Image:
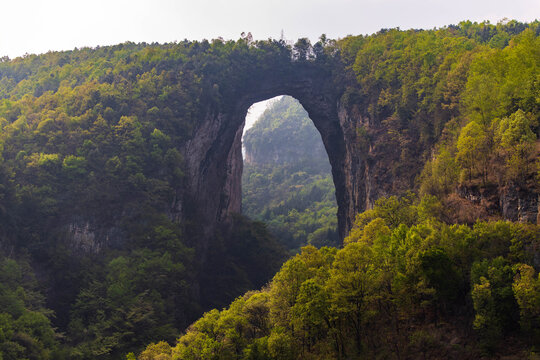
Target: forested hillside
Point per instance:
(470, 90)
(101, 253)
(404, 286)
(90, 161)
(418, 276)
(287, 181)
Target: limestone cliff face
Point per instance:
(88, 237)
(520, 204)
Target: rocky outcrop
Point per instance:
(83, 238)
(90, 237)
(511, 202)
(519, 204)
(485, 196)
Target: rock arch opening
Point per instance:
(287, 181)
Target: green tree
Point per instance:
(516, 141)
(526, 289)
(470, 146)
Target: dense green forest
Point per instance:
(94, 137)
(405, 285)
(419, 276)
(96, 134)
(287, 181)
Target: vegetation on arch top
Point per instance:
(203, 63)
(36, 74)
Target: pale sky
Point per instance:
(256, 110)
(37, 26)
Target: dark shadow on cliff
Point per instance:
(243, 256)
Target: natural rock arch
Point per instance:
(214, 157)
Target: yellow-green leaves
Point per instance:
(516, 129)
(526, 289)
(470, 145)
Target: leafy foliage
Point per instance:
(25, 324)
(380, 295)
(91, 161)
(500, 110)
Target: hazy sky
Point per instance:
(36, 26)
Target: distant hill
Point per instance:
(284, 134)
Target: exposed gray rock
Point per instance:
(88, 237)
(519, 204)
(512, 202)
(83, 238)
